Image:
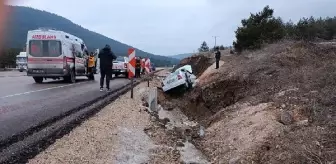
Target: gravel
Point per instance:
(124, 132)
(114, 135)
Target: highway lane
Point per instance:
(13, 73)
(10, 85)
(24, 103)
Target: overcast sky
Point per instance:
(168, 27)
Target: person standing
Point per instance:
(143, 68)
(106, 57)
(137, 67)
(91, 66)
(217, 56)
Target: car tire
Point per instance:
(188, 83)
(38, 80)
(71, 78)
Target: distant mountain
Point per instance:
(182, 56)
(26, 18)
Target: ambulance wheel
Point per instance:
(38, 79)
(71, 78)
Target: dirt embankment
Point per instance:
(126, 131)
(199, 63)
(274, 105)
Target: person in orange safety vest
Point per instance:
(91, 66)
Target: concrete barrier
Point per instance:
(152, 99)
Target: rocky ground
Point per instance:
(274, 105)
(125, 131)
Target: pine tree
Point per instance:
(204, 47)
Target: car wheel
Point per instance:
(186, 86)
(188, 83)
(38, 79)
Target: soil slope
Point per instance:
(274, 105)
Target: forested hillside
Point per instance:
(25, 18)
(182, 56)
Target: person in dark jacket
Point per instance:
(137, 67)
(106, 57)
(217, 56)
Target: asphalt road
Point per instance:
(24, 103)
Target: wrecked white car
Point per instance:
(180, 78)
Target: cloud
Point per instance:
(169, 27)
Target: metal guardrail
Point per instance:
(15, 150)
(20, 147)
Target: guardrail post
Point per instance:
(132, 85)
(152, 100)
(147, 81)
(131, 67)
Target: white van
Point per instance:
(120, 66)
(21, 61)
(55, 54)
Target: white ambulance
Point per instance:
(55, 54)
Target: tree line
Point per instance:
(8, 57)
(262, 28)
(204, 47)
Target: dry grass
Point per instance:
(296, 79)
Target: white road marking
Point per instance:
(45, 89)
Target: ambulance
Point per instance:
(55, 54)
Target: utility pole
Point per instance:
(215, 39)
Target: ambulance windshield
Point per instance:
(45, 48)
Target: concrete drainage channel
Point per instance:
(21, 147)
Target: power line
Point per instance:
(215, 39)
